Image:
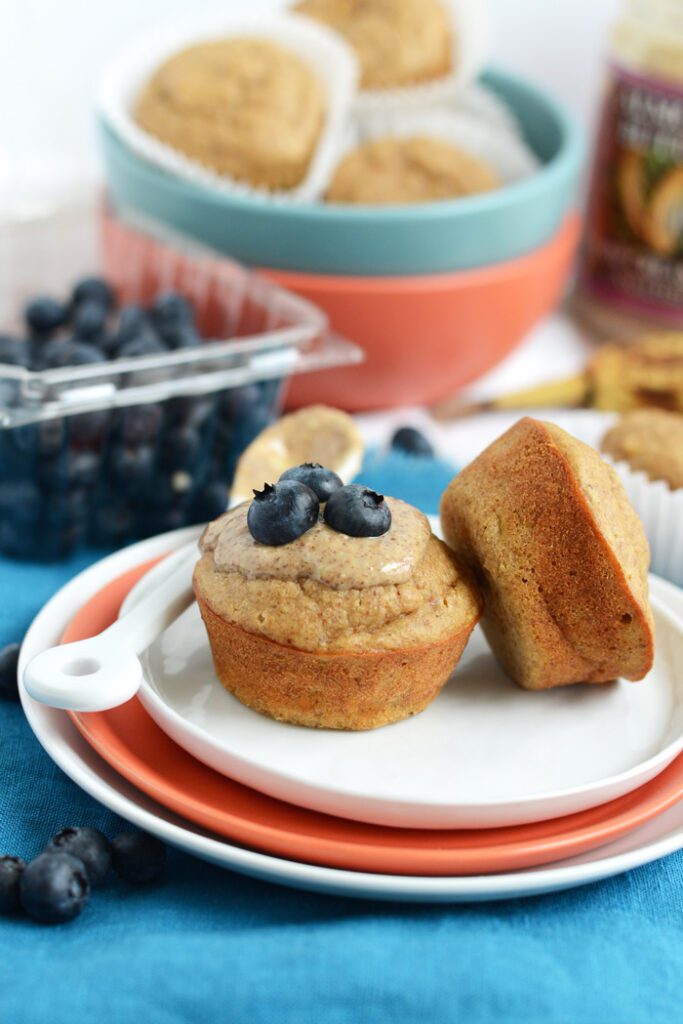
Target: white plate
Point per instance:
(76, 758)
(485, 754)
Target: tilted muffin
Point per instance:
(397, 42)
(328, 629)
(413, 169)
(243, 107)
(650, 440)
(561, 556)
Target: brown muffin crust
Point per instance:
(243, 107)
(650, 440)
(408, 170)
(398, 42)
(310, 616)
(353, 691)
(561, 556)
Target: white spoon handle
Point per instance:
(105, 671)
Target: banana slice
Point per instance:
(315, 434)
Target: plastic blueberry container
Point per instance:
(106, 453)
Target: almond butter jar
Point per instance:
(631, 277)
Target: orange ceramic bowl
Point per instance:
(425, 337)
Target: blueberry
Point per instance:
(82, 469)
(321, 480)
(189, 411)
(68, 508)
(9, 660)
(89, 427)
(54, 888)
(11, 870)
(44, 315)
(138, 857)
(20, 500)
(113, 522)
(177, 336)
(180, 448)
(89, 846)
(171, 308)
(282, 512)
(411, 441)
(94, 289)
(358, 512)
(131, 466)
(166, 519)
(238, 402)
(16, 541)
(61, 352)
(211, 502)
(13, 351)
(90, 320)
(140, 423)
(132, 321)
(144, 344)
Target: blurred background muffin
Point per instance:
(398, 42)
(408, 170)
(244, 107)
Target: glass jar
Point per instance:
(631, 277)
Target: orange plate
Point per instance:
(426, 336)
(131, 742)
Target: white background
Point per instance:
(51, 52)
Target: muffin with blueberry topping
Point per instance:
(331, 606)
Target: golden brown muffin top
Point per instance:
(408, 170)
(241, 106)
(437, 600)
(650, 440)
(398, 42)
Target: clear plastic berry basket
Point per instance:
(109, 452)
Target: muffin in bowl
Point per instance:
(397, 42)
(413, 169)
(330, 606)
(545, 525)
(244, 107)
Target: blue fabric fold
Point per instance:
(208, 945)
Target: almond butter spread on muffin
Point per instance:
(243, 107)
(408, 170)
(398, 42)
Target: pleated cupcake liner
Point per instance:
(324, 50)
(661, 512)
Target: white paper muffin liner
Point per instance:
(499, 146)
(661, 512)
(329, 56)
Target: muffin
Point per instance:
(325, 628)
(413, 169)
(246, 108)
(649, 440)
(397, 42)
(562, 558)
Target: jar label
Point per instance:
(633, 256)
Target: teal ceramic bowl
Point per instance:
(323, 238)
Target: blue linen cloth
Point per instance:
(211, 946)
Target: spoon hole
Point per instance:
(82, 667)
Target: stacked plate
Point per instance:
(492, 792)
